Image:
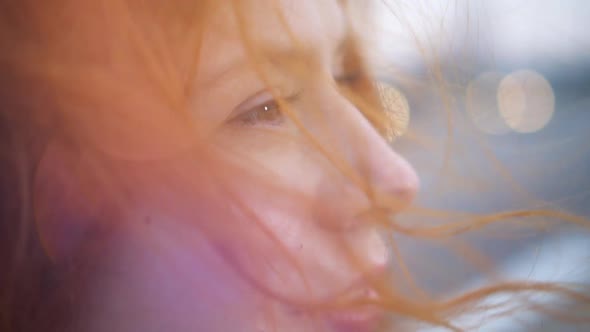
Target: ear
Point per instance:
(67, 201)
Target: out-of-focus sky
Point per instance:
(525, 30)
(509, 31)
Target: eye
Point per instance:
(350, 79)
(355, 81)
(268, 113)
(262, 109)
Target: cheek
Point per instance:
(160, 278)
(283, 193)
(291, 247)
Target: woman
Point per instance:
(196, 166)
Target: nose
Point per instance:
(393, 181)
(394, 184)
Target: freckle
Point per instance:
(147, 220)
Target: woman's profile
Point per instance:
(197, 166)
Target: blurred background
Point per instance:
(508, 127)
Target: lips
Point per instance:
(362, 318)
(365, 319)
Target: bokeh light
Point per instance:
(396, 107)
(526, 101)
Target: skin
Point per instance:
(158, 272)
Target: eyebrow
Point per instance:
(275, 55)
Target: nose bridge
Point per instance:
(391, 177)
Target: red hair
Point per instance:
(60, 75)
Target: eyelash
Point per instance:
(269, 113)
(266, 113)
(351, 80)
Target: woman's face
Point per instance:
(305, 211)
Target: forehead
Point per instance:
(279, 25)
